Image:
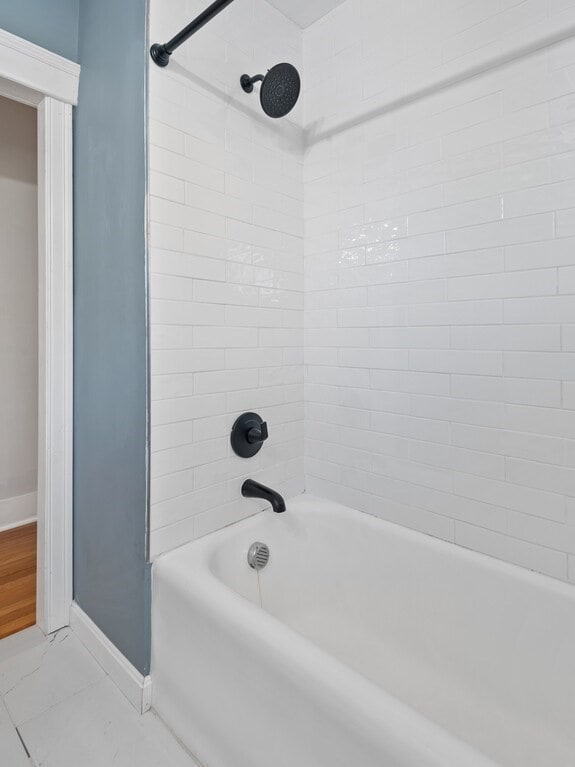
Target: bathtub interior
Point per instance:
(479, 647)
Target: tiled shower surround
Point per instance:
(440, 267)
(226, 284)
(439, 270)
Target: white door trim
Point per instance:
(38, 70)
(55, 364)
(49, 82)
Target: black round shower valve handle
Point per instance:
(249, 433)
(257, 434)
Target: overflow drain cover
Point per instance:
(258, 555)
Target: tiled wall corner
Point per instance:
(226, 282)
(440, 272)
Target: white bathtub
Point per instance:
(361, 644)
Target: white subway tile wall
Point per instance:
(440, 271)
(439, 248)
(226, 269)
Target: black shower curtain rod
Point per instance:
(161, 52)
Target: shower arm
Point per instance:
(247, 82)
(161, 52)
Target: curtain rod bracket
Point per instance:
(160, 55)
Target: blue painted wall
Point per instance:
(53, 24)
(111, 575)
(108, 38)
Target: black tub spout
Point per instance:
(253, 489)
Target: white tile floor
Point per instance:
(55, 699)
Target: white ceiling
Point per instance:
(305, 12)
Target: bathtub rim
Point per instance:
(311, 504)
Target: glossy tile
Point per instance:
(440, 223)
(227, 263)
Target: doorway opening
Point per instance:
(19, 369)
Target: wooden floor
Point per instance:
(17, 579)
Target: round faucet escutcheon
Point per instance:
(249, 433)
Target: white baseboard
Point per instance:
(19, 510)
(136, 688)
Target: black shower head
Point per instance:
(280, 89)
